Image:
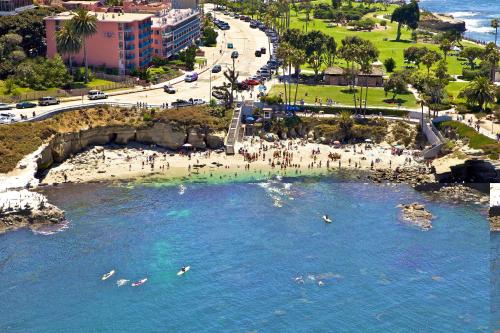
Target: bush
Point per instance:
(365, 24)
(271, 99)
(389, 64)
(471, 74)
(383, 23)
(209, 36)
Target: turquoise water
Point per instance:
(477, 15)
(257, 252)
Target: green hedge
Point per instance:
(369, 111)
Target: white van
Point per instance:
(97, 94)
(190, 77)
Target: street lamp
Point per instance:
(422, 117)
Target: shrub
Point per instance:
(389, 64)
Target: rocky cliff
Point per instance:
(63, 145)
(440, 23)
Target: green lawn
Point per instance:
(476, 140)
(454, 88)
(382, 38)
(341, 95)
(75, 85)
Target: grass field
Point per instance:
(75, 85)
(382, 38)
(342, 95)
(454, 88)
(476, 140)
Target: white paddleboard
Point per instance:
(108, 275)
(122, 282)
(182, 272)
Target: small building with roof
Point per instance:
(338, 76)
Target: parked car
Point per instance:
(25, 105)
(216, 68)
(257, 53)
(96, 94)
(4, 106)
(252, 82)
(169, 89)
(253, 25)
(196, 101)
(263, 50)
(234, 54)
(180, 103)
(218, 94)
(48, 100)
(229, 45)
(190, 77)
(242, 86)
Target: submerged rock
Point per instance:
(417, 215)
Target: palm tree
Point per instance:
(85, 25)
(480, 91)
(445, 46)
(495, 23)
(284, 54)
(297, 60)
(68, 42)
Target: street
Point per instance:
(245, 40)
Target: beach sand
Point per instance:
(141, 162)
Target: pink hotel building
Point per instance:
(128, 41)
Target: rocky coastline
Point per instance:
(20, 209)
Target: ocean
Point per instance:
(477, 15)
(261, 258)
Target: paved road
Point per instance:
(245, 41)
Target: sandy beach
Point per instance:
(255, 157)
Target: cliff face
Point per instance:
(62, 146)
(439, 23)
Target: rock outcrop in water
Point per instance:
(417, 215)
(21, 209)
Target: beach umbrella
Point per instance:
(187, 145)
(250, 118)
(368, 140)
(336, 142)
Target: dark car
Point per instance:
(216, 69)
(263, 50)
(180, 103)
(242, 86)
(25, 105)
(169, 89)
(218, 94)
(234, 54)
(257, 53)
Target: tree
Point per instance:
(85, 25)
(480, 91)
(336, 4)
(315, 48)
(495, 23)
(330, 51)
(490, 58)
(368, 54)
(307, 7)
(389, 65)
(408, 15)
(68, 42)
(350, 52)
(429, 59)
(297, 59)
(445, 45)
(232, 77)
(285, 54)
(471, 53)
(414, 54)
(441, 70)
(345, 123)
(209, 36)
(395, 85)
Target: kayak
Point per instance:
(182, 272)
(326, 219)
(108, 275)
(139, 283)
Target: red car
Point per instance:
(252, 82)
